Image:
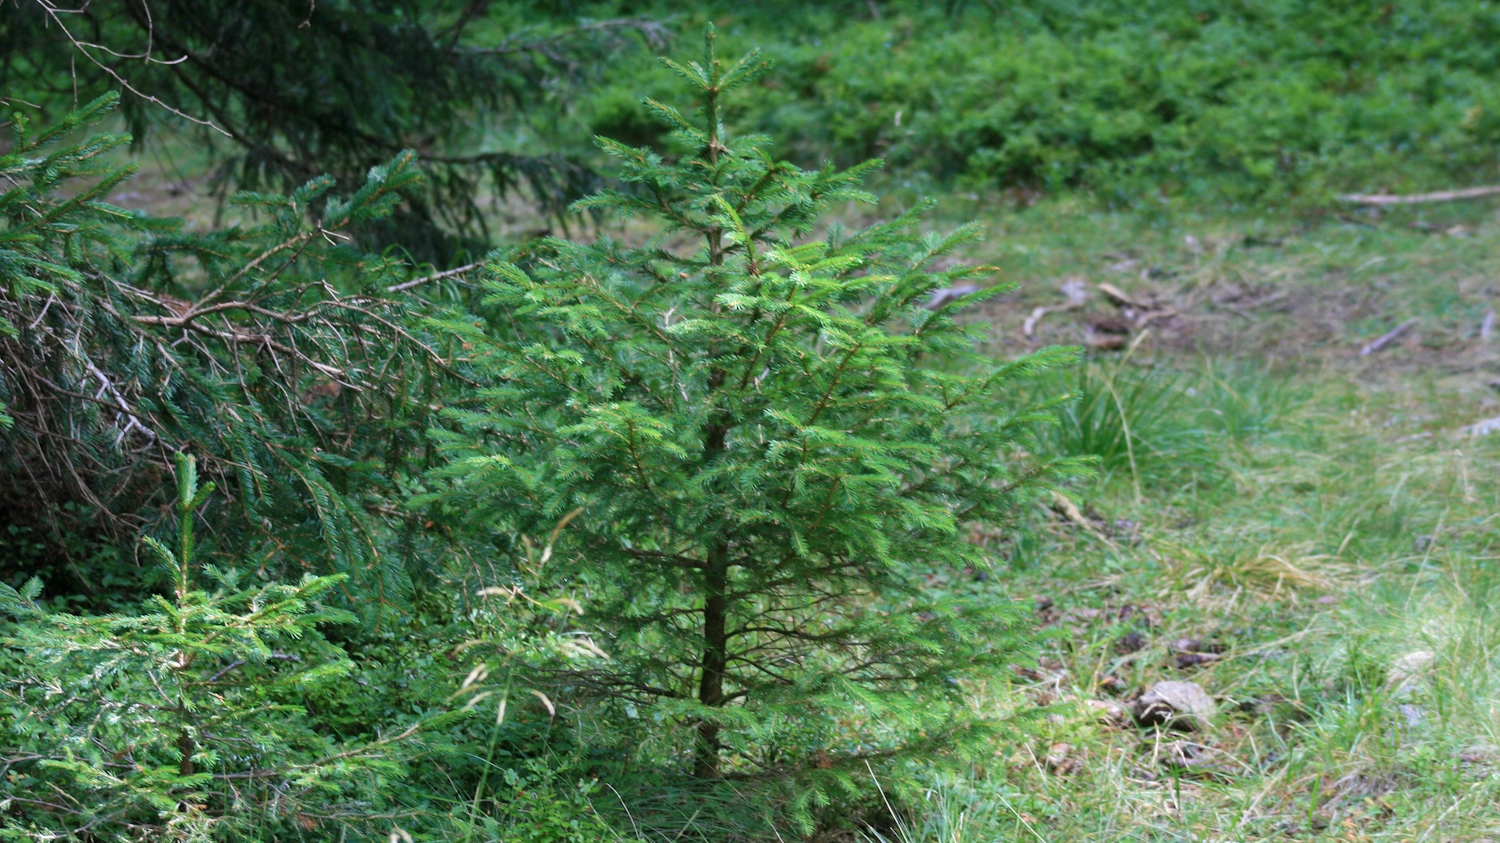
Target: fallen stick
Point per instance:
(1029, 326)
(1418, 198)
(1147, 318)
(947, 294)
(1119, 297)
(1387, 338)
(1070, 512)
(1077, 293)
(1487, 327)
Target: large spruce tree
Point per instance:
(777, 447)
(288, 90)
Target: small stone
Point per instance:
(1148, 615)
(1109, 712)
(1407, 667)
(1180, 705)
(1193, 645)
(1415, 715)
(1183, 755)
(1060, 759)
(1130, 642)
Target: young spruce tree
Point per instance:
(184, 720)
(777, 445)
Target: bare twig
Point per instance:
(438, 276)
(947, 294)
(1380, 342)
(1419, 198)
(131, 422)
(1487, 327)
(54, 13)
(1147, 319)
(654, 32)
(1119, 297)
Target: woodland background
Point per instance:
(445, 421)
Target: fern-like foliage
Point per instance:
(777, 447)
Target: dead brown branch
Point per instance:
(437, 276)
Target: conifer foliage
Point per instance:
(273, 350)
(294, 90)
(777, 446)
(179, 721)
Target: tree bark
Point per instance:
(185, 748)
(715, 659)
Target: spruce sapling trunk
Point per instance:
(716, 569)
(715, 659)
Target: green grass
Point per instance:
(1314, 516)
(1326, 551)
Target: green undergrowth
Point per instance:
(1251, 102)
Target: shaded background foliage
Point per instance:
(1169, 100)
(288, 91)
(1246, 102)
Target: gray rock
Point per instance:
(1180, 705)
(1406, 670)
(1415, 715)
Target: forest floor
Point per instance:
(1303, 532)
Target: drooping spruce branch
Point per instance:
(273, 351)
